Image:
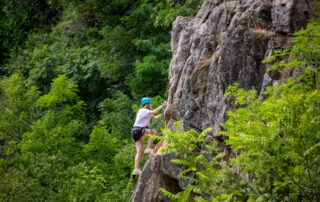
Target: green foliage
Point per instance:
(61, 123)
(101, 146)
(71, 72)
(19, 18)
(87, 184)
(61, 92)
(42, 180)
(120, 183)
(187, 147)
(123, 159)
(304, 53)
(52, 161)
(99, 45)
(113, 111)
(118, 53)
(273, 135)
(48, 60)
(17, 112)
(50, 148)
(148, 78)
(166, 11)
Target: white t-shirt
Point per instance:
(143, 118)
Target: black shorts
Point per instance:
(137, 133)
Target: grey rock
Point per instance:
(225, 43)
(157, 173)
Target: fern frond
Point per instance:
(312, 150)
(170, 195)
(182, 162)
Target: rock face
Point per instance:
(157, 174)
(225, 43)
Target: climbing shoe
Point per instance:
(136, 172)
(148, 150)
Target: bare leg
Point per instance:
(158, 146)
(139, 147)
(150, 140)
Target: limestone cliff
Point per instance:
(225, 43)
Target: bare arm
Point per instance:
(155, 117)
(158, 108)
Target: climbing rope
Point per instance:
(158, 123)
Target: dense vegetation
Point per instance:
(72, 75)
(274, 137)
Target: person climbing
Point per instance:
(141, 128)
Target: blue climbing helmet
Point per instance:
(145, 101)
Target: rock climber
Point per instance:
(141, 128)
